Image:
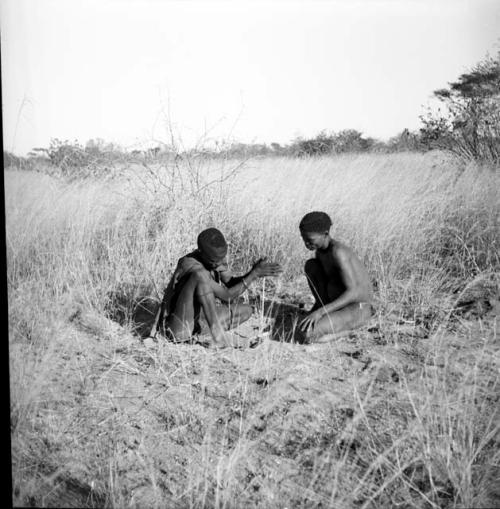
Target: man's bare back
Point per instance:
(340, 263)
(338, 280)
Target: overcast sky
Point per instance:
(255, 71)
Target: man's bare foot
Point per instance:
(228, 340)
(324, 338)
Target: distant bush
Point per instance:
(348, 140)
(12, 161)
(68, 156)
(106, 152)
(405, 141)
(73, 160)
(320, 145)
(234, 150)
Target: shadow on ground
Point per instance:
(139, 309)
(284, 319)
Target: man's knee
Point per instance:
(238, 313)
(350, 317)
(201, 284)
(312, 267)
(243, 312)
(366, 312)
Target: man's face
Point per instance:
(210, 261)
(313, 240)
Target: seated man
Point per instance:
(338, 280)
(199, 278)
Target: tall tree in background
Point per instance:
(469, 123)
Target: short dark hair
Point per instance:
(315, 222)
(212, 242)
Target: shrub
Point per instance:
(469, 123)
(348, 140)
(75, 161)
(12, 161)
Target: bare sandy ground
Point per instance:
(183, 425)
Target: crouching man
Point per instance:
(338, 280)
(200, 278)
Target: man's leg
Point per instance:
(230, 316)
(179, 324)
(316, 278)
(324, 289)
(222, 318)
(196, 294)
(348, 318)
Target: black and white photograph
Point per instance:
(252, 253)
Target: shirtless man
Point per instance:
(338, 280)
(199, 278)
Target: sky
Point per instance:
(135, 72)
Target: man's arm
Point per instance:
(230, 280)
(206, 292)
(354, 288)
(236, 286)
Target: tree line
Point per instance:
(466, 123)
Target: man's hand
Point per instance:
(227, 340)
(264, 268)
(309, 322)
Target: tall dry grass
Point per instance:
(425, 226)
(420, 223)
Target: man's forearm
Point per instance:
(238, 285)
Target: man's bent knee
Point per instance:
(203, 287)
(349, 318)
(355, 315)
(366, 311)
(242, 312)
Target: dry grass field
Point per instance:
(402, 413)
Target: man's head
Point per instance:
(212, 246)
(315, 230)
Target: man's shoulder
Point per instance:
(340, 251)
(340, 247)
(190, 262)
